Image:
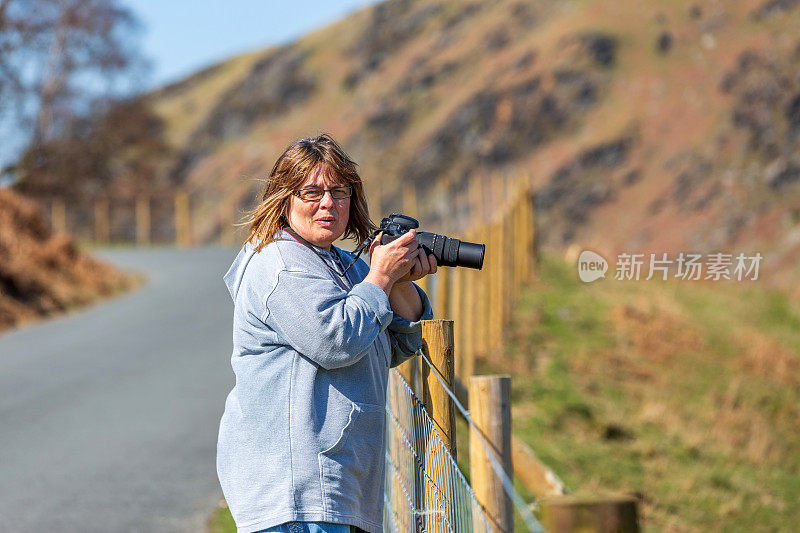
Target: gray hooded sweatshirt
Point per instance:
(302, 437)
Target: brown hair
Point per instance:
(290, 172)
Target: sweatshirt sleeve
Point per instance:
(406, 336)
(317, 318)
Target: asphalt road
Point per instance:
(109, 416)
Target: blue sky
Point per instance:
(182, 36)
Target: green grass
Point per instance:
(221, 521)
(643, 387)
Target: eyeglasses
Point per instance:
(313, 194)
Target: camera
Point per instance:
(447, 250)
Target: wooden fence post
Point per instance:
(490, 408)
(470, 317)
(564, 514)
(457, 314)
(498, 193)
(484, 288)
(531, 242)
(143, 221)
(182, 219)
(528, 469)
(409, 372)
(227, 219)
(520, 241)
(410, 206)
(101, 229)
(58, 215)
(490, 290)
(437, 344)
(476, 199)
(442, 300)
(505, 263)
(400, 457)
(496, 290)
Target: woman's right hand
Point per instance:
(390, 262)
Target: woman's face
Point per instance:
(323, 221)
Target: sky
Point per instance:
(180, 37)
(183, 36)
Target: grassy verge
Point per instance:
(221, 521)
(685, 394)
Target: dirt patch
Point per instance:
(765, 358)
(43, 274)
(592, 178)
(655, 334)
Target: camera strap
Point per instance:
(361, 247)
(358, 251)
(311, 247)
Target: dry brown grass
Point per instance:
(650, 364)
(42, 274)
(766, 358)
(655, 333)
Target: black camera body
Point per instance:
(448, 251)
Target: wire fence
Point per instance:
(425, 489)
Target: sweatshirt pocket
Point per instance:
(352, 470)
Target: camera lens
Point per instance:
(470, 254)
(452, 252)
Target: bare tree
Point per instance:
(58, 58)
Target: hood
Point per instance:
(233, 278)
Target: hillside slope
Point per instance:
(644, 127)
(42, 274)
(648, 389)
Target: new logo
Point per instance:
(591, 266)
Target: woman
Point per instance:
(301, 441)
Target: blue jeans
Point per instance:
(308, 527)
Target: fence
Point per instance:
(188, 216)
(173, 218)
(425, 490)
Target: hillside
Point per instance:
(660, 127)
(42, 274)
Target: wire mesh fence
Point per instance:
(425, 489)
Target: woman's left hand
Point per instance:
(423, 265)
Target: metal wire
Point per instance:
(425, 489)
(530, 521)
